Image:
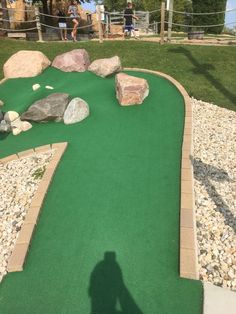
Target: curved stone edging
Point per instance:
(188, 240)
(19, 253)
(3, 80)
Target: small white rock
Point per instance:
(49, 87)
(35, 87)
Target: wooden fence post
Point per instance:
(162, 21)
(38, 25)
(170, 20)
(100, 25)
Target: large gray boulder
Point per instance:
(49, 108)
(4, 126)
(76, 60)
(76, 111)
(25, 64)
(106, 67)
(131, 90)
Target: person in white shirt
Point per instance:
(103, 14)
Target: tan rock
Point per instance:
(16, 123)
(1, 103)
(11, 116)
(20, 126)
(35, 87)
(105, 67)
(131, 90)
(25, 64)
(25, 126)
(76, 60)
(16, 131)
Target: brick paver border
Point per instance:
(188, 243)
(19, 253)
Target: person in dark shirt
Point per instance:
(62, 23)
(129, 16)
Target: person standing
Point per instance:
(62, 23)
(73, 12)
(129, 16)
(103, 15)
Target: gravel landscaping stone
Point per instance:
(214, 163)
(19, 181)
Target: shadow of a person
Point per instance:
(107, 289)
(206, 174)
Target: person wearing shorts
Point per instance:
(62, 24)
(129, 16)
(103, 12)
(73, 12)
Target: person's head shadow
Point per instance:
(205, 174)
(107, 290)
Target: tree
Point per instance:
(45, 5)
(119, 5)
(205, 6)
(179, 5)
(182, 18)
(47, 10)
(5, 16)
(154, 7)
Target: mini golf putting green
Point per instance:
(114, 194)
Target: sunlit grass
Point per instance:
(207, 72)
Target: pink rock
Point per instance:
(106, 67)
(76, 60)
(131, 90)
(25, 64)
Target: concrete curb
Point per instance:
(218, 300)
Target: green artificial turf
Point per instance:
(115, 192)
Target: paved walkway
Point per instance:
(218, 300)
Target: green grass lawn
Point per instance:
(206, 72)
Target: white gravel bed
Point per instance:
(214, 162)
(19, 181)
